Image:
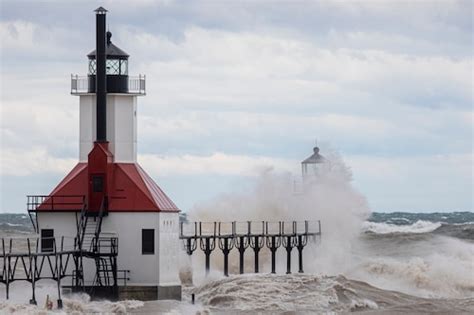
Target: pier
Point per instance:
(207, 236)
(43, 256)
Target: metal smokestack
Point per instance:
(101, 76)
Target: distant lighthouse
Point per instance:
(310, 167)
(107, 200)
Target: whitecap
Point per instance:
(385, 228)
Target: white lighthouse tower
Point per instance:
(122, 93)
(117, 215)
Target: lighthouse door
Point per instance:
(96, 191)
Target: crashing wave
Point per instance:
(306, 293)
(76, 304)
(415, 228)
(277, 293)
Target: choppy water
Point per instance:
(399, 263)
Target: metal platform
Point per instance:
(253, 234)
(38, 257)
(27, 259)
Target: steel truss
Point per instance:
(38, 258)
(253, 234)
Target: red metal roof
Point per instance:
(133, 190)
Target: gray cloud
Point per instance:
(391, 80)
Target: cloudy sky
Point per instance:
(236, 87)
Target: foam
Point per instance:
(440, 267)
(277, 293)
(419, 226)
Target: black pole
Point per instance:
(242, 249)
(226, 251)
(58, 273)
(7, 282)
(288, 255)
(207, 252)
(101, 76)
(241, 261)
(6, 270)
(33, 284)
(207, 246)
(114, 271)
(300, 253)
(188, 247)
(256, 250)
(273, 250)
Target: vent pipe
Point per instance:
(101, 76)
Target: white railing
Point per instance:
(80, 85)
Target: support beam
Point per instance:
(208, 244)
(226, 244)
(273, 242)
(288, 244)
(242, 244)
(256, 242)
(302, 241)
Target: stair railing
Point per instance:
(81, 231)
(103, 210)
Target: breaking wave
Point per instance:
(414, 262)
(74, 304)
(305, 293)
(386, 228)
(456, 230)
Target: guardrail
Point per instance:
(80, 84)
(253, 234)
(249, 228)
(54, 202)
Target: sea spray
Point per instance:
(329, 197)
(419, 226)
(424, 265)
(77, 303)
(408, 258)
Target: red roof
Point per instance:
(133, 190)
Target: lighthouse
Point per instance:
(118, 220)
(311, 166)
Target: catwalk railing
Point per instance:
(38, 258)
(254, 234)
(58, 203)
(80, 85)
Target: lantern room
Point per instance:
(311, 166)
(116, 68)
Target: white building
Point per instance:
(108, 202)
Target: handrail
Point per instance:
(80, 84)
(98, 228)
(258, 228)
(82, 226)
(54, 202)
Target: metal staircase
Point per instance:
(89, 233)
(103, 249)
(90, 226)
(105, 272)
(90, 243)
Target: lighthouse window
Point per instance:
(92, 64)
(124, 67)
(148, 241)
(47, 240)
(113, 66)
(97, 183)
